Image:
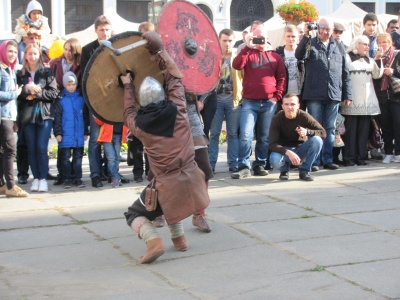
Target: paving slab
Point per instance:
(258, 212)
(32, 218)
(222, 275)
(383, 220)
(347, 249)
(380, 276)
(302, 228)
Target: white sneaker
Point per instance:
(43, 186)
(35, 185)
(396, 158)
(388, 159)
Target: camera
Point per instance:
(259, 40)
(312, 26)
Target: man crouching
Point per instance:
(295, 138)
(163, 127)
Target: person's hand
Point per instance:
(249, 40)
(347, 102)
(273, 100)
(30, 97)
(58, 138)
(200, 105)
(18, 90)
(33, 88)
(379, 53)
(301, 131)
(15, 127)
(154, 42)
(388, 71)
(85, 137)
(126, 78)
(294, 158)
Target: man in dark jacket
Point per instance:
(295, 138)
(102, 27)
(327, 82)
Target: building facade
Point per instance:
(74, 15)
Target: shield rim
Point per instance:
(90, 63)
(165, 6)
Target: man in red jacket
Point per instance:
(264, 83)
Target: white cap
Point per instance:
(33, 5)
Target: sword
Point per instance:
(119, 51)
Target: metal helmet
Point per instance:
(150, 91)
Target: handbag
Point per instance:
(338, 140)
(151, 197)
(376, 140)
(395, 84)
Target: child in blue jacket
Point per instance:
(70, 130)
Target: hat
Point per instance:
(68, 77)
(338, 27)
(33, 5)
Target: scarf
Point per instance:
(37, 113)
(355, 57)
(157, 118)
(387, 60)
(65, 66)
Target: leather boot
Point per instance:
(155, 249)
(200, 222)
(180, 243)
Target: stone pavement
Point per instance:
(335, 238)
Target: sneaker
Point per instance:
(79, 183)
(116, 182)
(124, 179)
(43, 186)
(260, 171)
(16, 191)
(3, 190)
(388, 159)
(137, 178)
(331, 166)
(375, 154)
(306, 177)
(284, 176)
(35, 185)
(314, 168)
(396, 159)
(67, 184)
(96, 182)
(243, 173)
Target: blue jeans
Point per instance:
(37, 140)
(94, 151)
(76, 165)
(231, 114)
(112, 151)
(325, 112)
(308, 152)
(260, 111)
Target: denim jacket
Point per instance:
(7, 95)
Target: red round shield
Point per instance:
(191, 41)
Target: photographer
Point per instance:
(327, 82)
(264, 83)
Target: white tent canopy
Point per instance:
(348, 14)
(348, 11)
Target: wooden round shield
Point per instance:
(101, 89)
(191, 41)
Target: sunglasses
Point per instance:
(338, 31)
